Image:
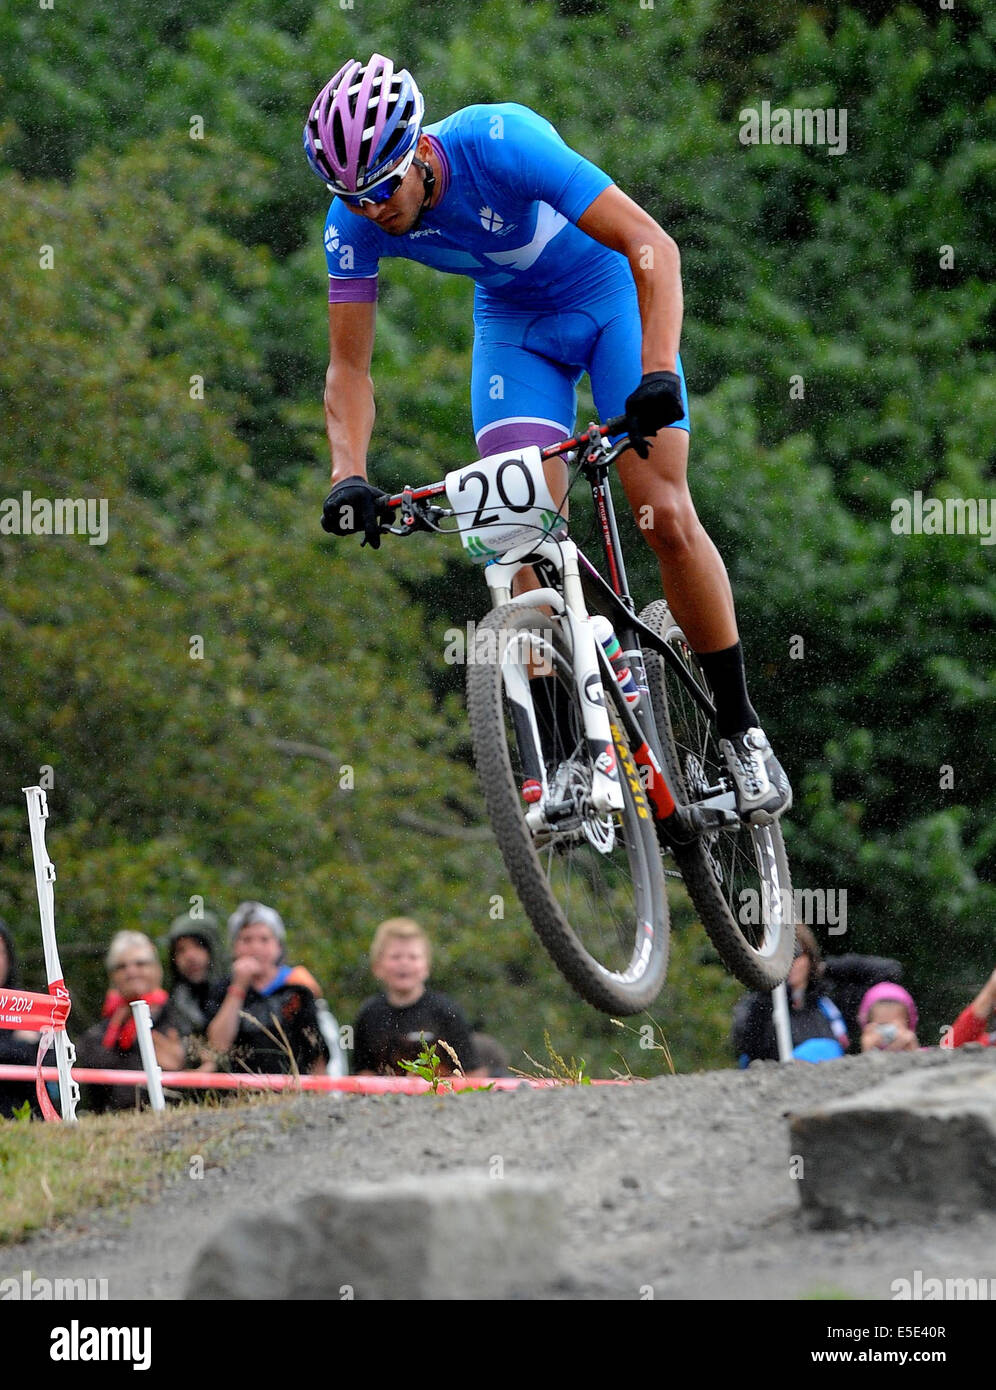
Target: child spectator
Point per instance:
(135, 973)
(847, 979)
(394, 1026)
(972, 1024)
(265, 1007)
(888, 1019)
(818, 1030)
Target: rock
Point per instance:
(455, 1237)
(920, 1146)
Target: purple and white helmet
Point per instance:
(362, 123)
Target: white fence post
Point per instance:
(783, 1028)
(150, 1062)
(65, 1053)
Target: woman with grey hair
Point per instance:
(134, 973)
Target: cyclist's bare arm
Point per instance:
(619, 223)
(349, 394)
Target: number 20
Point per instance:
(479, 518)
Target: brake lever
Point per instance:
(414, 517)
(596, 445)
(409, 517)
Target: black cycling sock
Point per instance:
(726, 676)
(552, 702)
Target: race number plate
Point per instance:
(501, 501)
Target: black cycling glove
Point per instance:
(654, 404)
(354, 505)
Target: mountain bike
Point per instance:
(594, 758)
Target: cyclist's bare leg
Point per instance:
(694, 577)
(556, 476)
(698, 592)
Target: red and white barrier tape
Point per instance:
(19, 1008)
(225, 1081)
(47, 1013)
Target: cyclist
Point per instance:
(570, 276)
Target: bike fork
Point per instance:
(606, 789)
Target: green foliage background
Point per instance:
(177, 257)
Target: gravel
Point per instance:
(681, 1187)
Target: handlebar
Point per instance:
(409, 496)
(593, 432)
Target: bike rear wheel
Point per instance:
(592, 884)
(737, 877)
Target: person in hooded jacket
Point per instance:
(818, 1030)
(192, 946)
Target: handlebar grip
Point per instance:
(616, 426)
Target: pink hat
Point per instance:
(890, 993)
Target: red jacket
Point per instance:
(969, 1027)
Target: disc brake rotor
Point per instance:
(572, 783)
(698, 785)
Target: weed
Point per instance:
(428, 1065)
(565, 1073)
(649, 1043)
(282, 1042)
(457, 1068)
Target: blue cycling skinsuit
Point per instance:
(550, 302)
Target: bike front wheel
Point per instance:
(738, 876)
(591, 882)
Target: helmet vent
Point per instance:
(339, 139)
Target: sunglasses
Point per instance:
(378, 192)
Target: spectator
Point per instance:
(17, 1047)
(135, 973)
(263, 1018)
(888, 1019)
(847, 979)
(972, 1024)
(391, 1026)
(818, 1030)
(193, 950)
